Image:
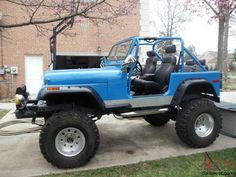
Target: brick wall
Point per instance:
(26, 41)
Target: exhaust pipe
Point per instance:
(143, 113)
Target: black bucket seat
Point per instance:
(158, 82)
(151, 62)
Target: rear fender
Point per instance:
(195, 88)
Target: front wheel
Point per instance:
(69, 139)
(198, 123)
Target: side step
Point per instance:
(143, 113)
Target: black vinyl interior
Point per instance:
(156, 82)
(151, 63)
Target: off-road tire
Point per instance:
(55, 124)
(46, 117)
(187, 116)
(157, 119)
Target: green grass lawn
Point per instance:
(3, 112)
(184, 166)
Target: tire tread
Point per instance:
(186, 112)
(60, 117)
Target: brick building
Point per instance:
(24, 49)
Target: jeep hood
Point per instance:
(81, 76)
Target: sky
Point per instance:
(204, 35)
(197, 31)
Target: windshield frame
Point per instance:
(115, 46)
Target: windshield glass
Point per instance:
(119, 51)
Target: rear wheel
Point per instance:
(157, 119)
(198, 123)
(69, 139)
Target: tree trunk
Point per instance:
(225, 46)
(220, 44)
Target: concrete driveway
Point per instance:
(122, 142)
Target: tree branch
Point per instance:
(51, 20)
(27, 5)
(35, 11)
(209, 5)
(231, 11)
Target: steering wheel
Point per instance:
(129, 61)
(139, 67)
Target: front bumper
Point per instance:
(33, 111)
(26, 108)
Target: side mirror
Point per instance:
(103, 61)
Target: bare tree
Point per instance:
(41, 12)
(172, 16)
(223, 11)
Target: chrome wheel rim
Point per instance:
(70, 141)
(204, 125)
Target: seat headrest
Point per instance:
(151, 53)
(170, 49)
(170, 59)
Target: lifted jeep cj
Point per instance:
(166, 87)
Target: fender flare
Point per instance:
(205, 86)
(44, 93)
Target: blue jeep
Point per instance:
(164, 88)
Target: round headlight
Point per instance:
(19, 99)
